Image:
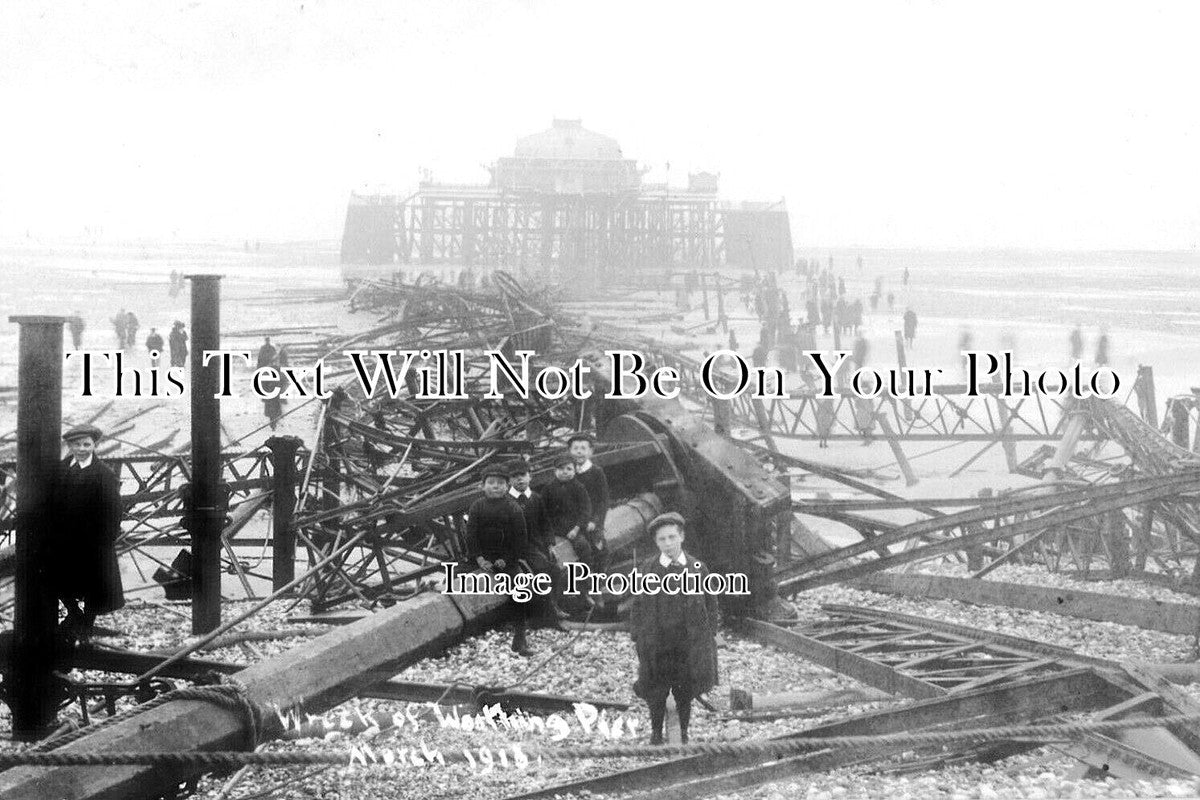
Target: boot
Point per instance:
(685, 716)
(519, 645)
(658, 715)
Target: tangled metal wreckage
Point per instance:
(378, 505)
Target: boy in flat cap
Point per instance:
(541, 540)
(88, 511)
(675, 634)
(591, 477)
(568, 508)
(496, 541)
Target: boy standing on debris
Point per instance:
(592, 478)
(541, 541)
(675, 634)
(496, 541)
(568, 509)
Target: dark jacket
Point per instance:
(537, 524)
(675, 634)
(87, 514)
(596, 484)
(178, 339)
(496, 529)
(567, 506)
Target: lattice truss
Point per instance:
(1125, 506)
(607, 233)
(396, 474)
(153, 492)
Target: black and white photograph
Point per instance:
(525, 399)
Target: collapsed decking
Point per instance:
(664, 455)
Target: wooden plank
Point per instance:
(1155, 615)
(316, 676)
(1068, 692)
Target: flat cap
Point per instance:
(670, 518)
(581, 436)
(562, 459)
(80, 431)
(494, 471)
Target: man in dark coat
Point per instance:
(591, 476)
(496, 541)
(675, 634)
(910, 326)
(87, 507)
(266, 354)
(178, 340)
(154, 346)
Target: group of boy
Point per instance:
(514, 528)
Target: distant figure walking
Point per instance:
(154, 346)
(178, 341)
(75, 325)
(131, 329)
(118, 323)
(891, 301)
(1076, 343)
(860, 352)
(1102, 349)
(266, 354)
(965, 340)
(860, 263)
(826, 413)
(910, 327)
(906, 276)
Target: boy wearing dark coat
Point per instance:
(496, 541)
(675, 634)
(591, 476)
(88, 511)
(568, 508)
(541, 541)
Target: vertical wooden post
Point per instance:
(1010, 449)
(207, 509)
(722, 320)
(1146, 396)
(39, 447)
(1179, 424)
(283, 507)
(910, 478)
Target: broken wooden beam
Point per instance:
(744, 700)
(314, 676)
(459, 694)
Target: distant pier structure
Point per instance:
(567, 200)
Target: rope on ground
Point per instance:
(775, 747)
(231, 694)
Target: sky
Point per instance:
(882, 124)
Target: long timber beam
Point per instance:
(1155, 615)
(314, 676)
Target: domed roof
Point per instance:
(568, 139)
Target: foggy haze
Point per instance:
(1066, 125)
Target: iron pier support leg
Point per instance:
(283, 506)
(207, 508)
(39, 426)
